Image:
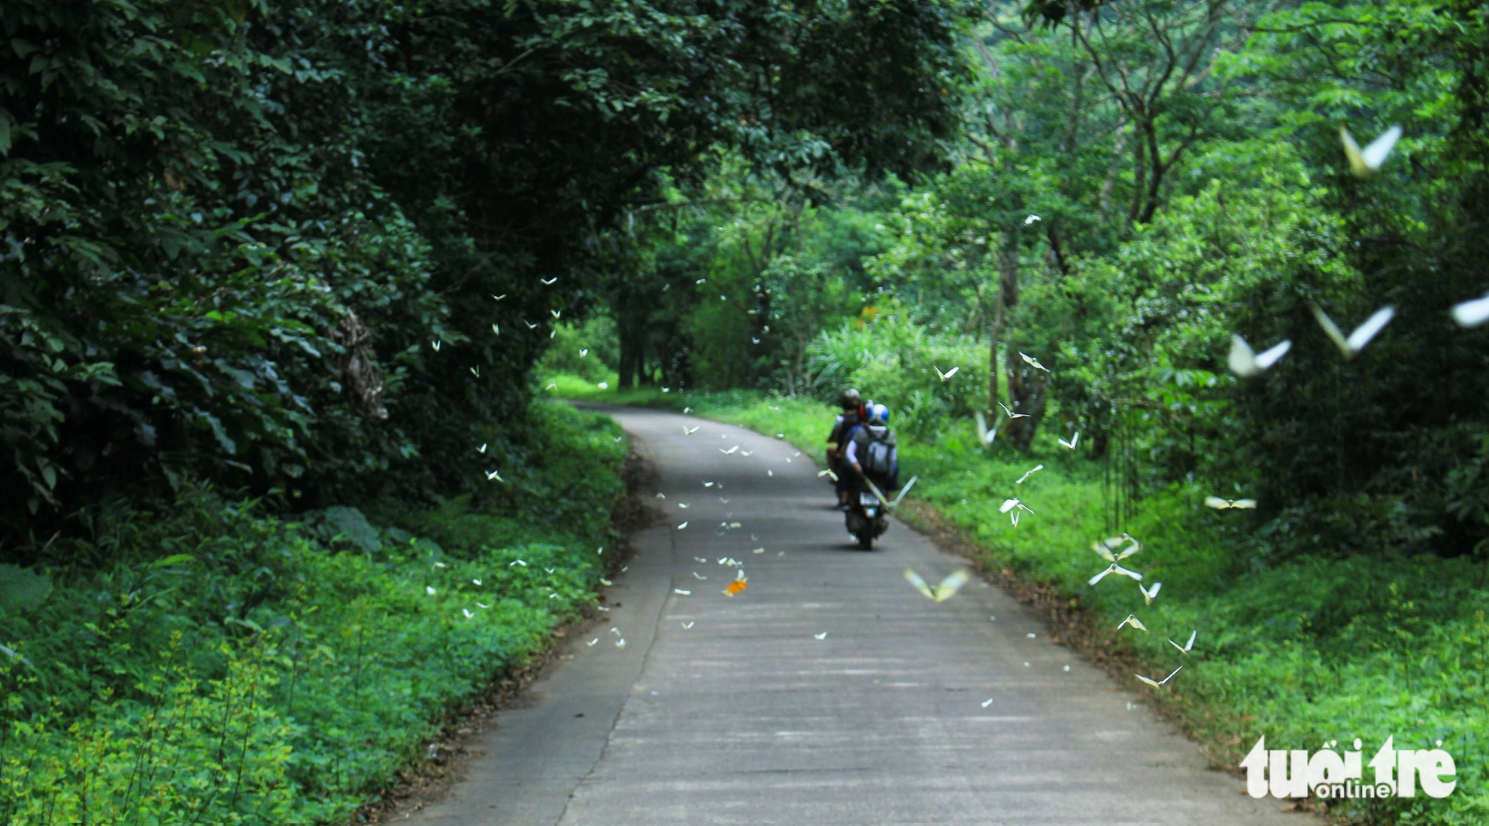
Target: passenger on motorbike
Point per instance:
(871, 453)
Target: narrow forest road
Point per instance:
(747, 718)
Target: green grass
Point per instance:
(1302, 652)
(238, 668)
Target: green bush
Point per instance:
(230, 667)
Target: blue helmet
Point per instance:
(879, 414)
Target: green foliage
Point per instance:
(219, 665)
(235, 232)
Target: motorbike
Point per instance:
(867, 519)
(868, 513)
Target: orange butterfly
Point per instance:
(735, 587)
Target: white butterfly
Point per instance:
(697, 575)
(604, 385)
(755, 340)
(747, 453)
(684, 505)
(1362, 334)
(683, 525)
(722, 499)
(495, 329)
(987, 702)
(681, 591)
(555, 313)
(550, 570)
(1244, 362)
(758, 551)
(467, 613)
(1470, 313)
(1188, 646)
(583, 352)
(1365, 162)
(429, 589)
(552, 385)
(1033, 362)
(769, 472)
(516, 562)
(730, 451)
(618, 438)
(494, 476)
(821, 636)
(944, 591)
(553, 595)
(1149, 594)
(700, 559)
(475, 371)
(687, 625)
(1015, 506)
(1115, 569)
(661, 496)
(604, 581)
(482, 448)
(1133, 621)
(1157, 683)
(592, 642)
(529, 324)
(548, 282)
(688, 431)
(1105, 548)
(435, 345)
(687, 410)
(829, 474)
(904, 490)
(615, 630)
(476, 581)
(1074, 440)
(499, 297)
(708, 484)
(1027, 475)
(947, 375)
(700, 281)
(1011, 414)
(1031, 219)
(440, 565)
(483, 605)
(983, 434)
(1221, 504)
(620, 643)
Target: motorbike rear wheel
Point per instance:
(866, 538)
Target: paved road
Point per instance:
(747, 718)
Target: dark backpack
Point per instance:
(874, 453)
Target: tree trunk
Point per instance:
(1028, 393)
(1008, 295)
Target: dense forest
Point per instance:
(1129, 189)
(271, 265)
(253, 243)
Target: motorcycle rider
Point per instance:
(854, 413)
(871, 453)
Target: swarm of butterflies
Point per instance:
(1246, 363)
